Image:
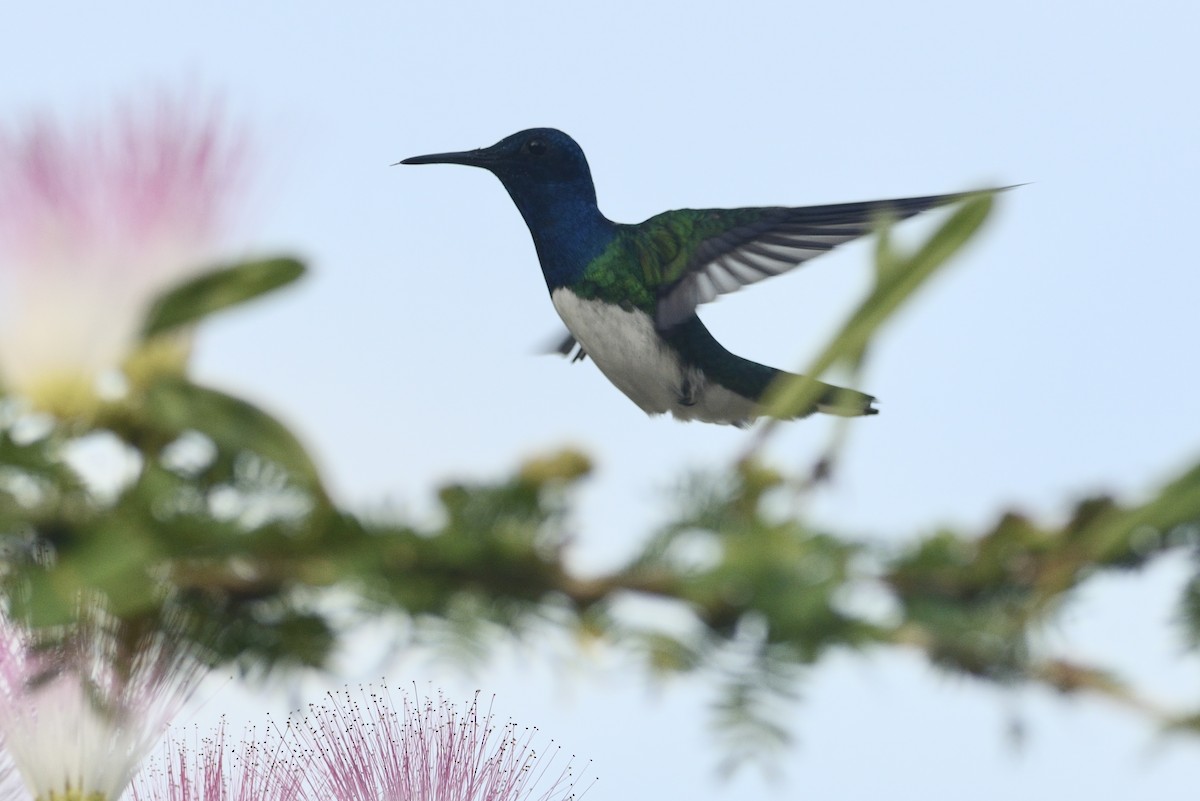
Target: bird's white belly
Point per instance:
(630, 353)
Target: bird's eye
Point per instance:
(536, 147)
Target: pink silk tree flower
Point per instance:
(217, 770)
(78, 713)
(370, 751)
(96, 222)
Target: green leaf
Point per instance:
(233, 425)
(115, 557)
(218, 289)
(898, 279)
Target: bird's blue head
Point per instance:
(537, 155)
(540, 168)
(547, 176)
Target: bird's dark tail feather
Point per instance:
(754, 381)
(844, 402)
(831, 399)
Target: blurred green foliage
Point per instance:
(225, 534)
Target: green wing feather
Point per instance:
(690, 256)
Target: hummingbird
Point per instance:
(628, 293)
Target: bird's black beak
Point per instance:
(484, 157)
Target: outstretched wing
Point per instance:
(734, 247)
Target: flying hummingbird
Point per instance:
(628, 293)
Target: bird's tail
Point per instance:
(757, 382)
(841, 401)
(829, 399)
(762, 385)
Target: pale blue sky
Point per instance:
(1055, 359)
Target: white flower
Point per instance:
(80, 711)
(10, 781)
(94, 224)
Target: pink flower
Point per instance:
(214, 770)
(369, 751)
(95, 222)
(79, 710)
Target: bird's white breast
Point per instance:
(628, 350)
